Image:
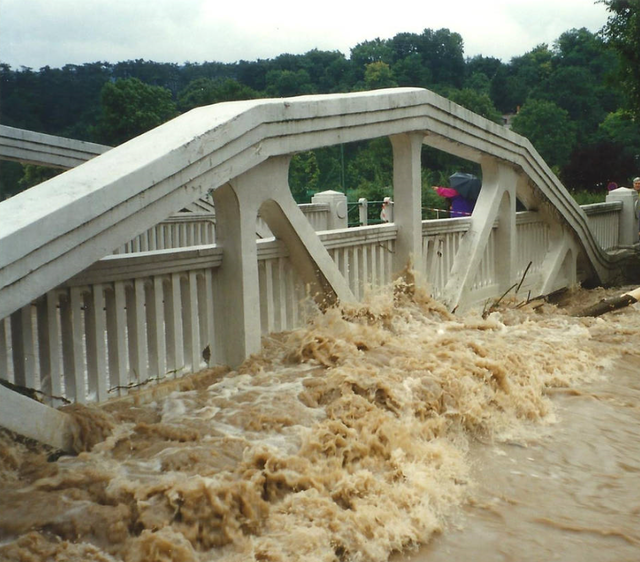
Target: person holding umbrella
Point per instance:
(462, 194)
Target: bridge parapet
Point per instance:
(46, 150)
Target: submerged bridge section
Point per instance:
(82, 323)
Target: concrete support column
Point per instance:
(407, 196)
(503, 178)
(337, 208)
(264, 188)
(238, 313)
(628, 230)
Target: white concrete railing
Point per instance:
(135, 318)
(442, 239)
(604, 220)
(132, 319)
(97, 324)
(46, 150)
(184, 230)
(178, 231)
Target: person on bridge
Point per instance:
(462, 194)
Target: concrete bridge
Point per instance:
(105, 284)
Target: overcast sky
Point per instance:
(35, 33)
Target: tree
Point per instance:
(574, 89)
(369, 168)
(327, 70)
(622, 31)
(378, 75)
(204, 91)
(592, 167)
(130, 108)
(303, 175)
(10, 175)
(443, 52)
(549, 128)
(621, 127)
(410, 71)
(33, 175)
(285, 83)
(477, 102)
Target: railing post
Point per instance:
(238, 279)
(407, 193)
(337, 208)
(628, 230)
(386, 214)
(363, 210)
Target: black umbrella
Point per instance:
(466, 185)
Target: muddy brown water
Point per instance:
(386, 431)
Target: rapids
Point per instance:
(386, 429)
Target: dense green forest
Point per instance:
(574, 100)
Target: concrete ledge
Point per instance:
(45, 150)
(35, 420)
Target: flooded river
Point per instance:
(385, 431)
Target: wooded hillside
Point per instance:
(566, 99)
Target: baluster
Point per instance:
(138, 360)
(205, 315)
(4, 352)
(44, 351)
(175, 241)
(448, 254)
(117, 343)
(153, 238)
(162, 232)
(291, 303)
(78, 353)
(192, 348)
(54, 339)
(355, 269)
(66, 336)
(96, 343)
(281, 297)
(156, 328)
(385, 259)
(374, 279)
(173, 315)
(23, 348)
(364, 268)
(270, 302)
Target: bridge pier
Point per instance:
(264, 189)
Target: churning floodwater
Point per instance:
(387, 430)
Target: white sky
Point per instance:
(35, 33)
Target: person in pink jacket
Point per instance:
(462, 194)
(460, 207)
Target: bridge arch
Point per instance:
(181, 309)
